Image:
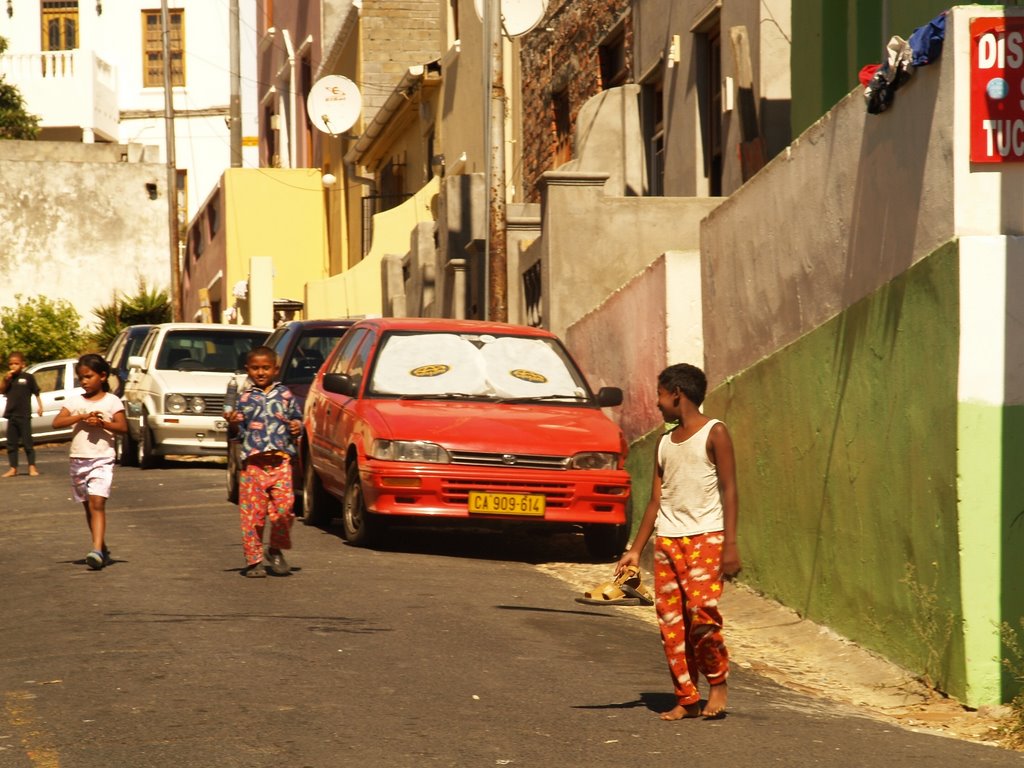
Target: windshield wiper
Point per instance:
(442, 396)
(544, 398)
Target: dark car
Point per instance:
(462, 422)
(128, 342)
(301, 347)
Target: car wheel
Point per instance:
(607, 542)
(232, 472)
(126, 450)
(317, 503)
(144, 449)
(361, 527)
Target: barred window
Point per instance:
(153, 48)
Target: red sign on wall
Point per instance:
(997, 90)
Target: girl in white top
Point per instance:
(94, 417)
(693, 515)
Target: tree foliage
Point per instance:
(41, 328)
(148, 305)
(15, 122)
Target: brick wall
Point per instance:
(565, 59)
(396, 35)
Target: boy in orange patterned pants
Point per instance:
(267, 422)
(693, 514)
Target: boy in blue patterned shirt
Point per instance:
(267, 422)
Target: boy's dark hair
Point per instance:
(96, 364)
(685, 378)
(19, 355)
(261, 351)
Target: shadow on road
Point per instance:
(507, 542)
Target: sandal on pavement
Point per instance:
(254, 571)
(625, 589)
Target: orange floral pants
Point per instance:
(687, 584)
(265, 492)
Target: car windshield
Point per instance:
(200, 350)
(478, 367)
(309, 354)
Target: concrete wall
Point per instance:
(854, 202)
(357, 291)
(846, 445)
(593, 244)
(653, 321)
(82, 228)
(863, 335)
(990, 436)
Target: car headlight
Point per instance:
(197, 404)
(175, 404)
(409, 450)
(594, 460)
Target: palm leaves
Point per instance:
(148, 305)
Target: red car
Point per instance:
(462, 421)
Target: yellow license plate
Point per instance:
(482, 503)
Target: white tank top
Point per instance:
(690, 501)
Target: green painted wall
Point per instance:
(846, 447)
(992, 537)
(833, 39)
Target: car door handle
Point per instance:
(59, 397)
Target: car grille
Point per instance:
(456, 490)
(214, 404)
(517, 460)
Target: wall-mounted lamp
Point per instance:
(99, 7)
(328, 180)
(151, 189)
(437, 164)
(10, 8)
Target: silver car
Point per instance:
(57, 382)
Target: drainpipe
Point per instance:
(366, 181)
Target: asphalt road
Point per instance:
(448, 649)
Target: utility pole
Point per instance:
(236, 86)
(497, 258)
(172, 170)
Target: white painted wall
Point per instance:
(78, 223)
(202, 141)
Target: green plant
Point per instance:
(15, 122)
(41, 328)
(1014, 732)
(146, 306)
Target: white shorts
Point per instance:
(91, 477)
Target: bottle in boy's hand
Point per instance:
(231, 396)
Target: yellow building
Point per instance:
(256, 241)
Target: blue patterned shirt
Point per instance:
(265, 417)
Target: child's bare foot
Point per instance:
(682, 712)
(33, 472)
(717, 699)
(10, 472)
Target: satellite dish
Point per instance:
(334, 104)
(517, 16)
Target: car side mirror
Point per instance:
(609, 396)
(340, 384)
(136, 361)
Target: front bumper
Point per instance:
(188, 435)
(442, 491)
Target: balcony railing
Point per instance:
(66, 89)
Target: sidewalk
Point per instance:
(773, 641)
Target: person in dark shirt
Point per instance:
(20, 387)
